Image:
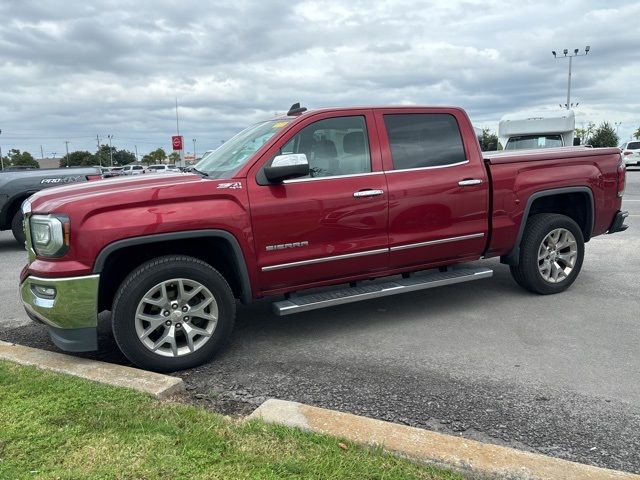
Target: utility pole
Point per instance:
(66, 144)
(195, 157)
(110, 150)
(570, 57)
(136, 147)
(41, 153)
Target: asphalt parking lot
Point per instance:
(558, 375)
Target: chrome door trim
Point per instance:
(312, 261)
(314, 179)
(427, 168)
(437, 242)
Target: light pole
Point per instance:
(570, 57)
(617, 124)
(195, 157)
(110, 150)
(66, 144)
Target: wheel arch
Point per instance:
(549, 201)
(11, 207)
(118, 259)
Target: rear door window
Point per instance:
(423, 140)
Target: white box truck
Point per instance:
(537, 129)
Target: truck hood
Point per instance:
(117, 191)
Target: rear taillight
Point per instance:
(622, 178)
(94, 177)
(628, 152)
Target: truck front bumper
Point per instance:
(68, 306)
(618, 223)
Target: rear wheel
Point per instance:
(551, 254)
(172, 313)
(17, 227)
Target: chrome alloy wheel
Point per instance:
(176, 317)
(557, 255)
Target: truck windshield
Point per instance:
(225, 161)
(523, 142)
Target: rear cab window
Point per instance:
(424, 140)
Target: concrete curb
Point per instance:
(154, 384)
(431, 447)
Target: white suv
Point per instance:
(631, 152)
(132, 170)
(162, 168)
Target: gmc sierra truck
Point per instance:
(17, 185)
(362, 202)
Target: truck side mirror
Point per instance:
(284, 167)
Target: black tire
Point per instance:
(17, 228)
(527, 273)
(144, 278)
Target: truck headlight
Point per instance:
(49, 235)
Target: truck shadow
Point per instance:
(8, 244)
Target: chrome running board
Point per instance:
(367, 290)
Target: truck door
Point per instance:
(438, 187)
(331, 224)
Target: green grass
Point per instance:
(59, 427)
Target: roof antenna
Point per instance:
(296, 109)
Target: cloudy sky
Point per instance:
(71, 70)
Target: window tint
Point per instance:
(424, 140)
(633, 145)
(335, 146)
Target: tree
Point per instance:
(604, 136)
(120, 157)
(636, 134)
(24, 159)
(78, 158)
(174, 157)
(584, 133)
(489, 141)
(157, 156)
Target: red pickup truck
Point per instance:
(363, 202)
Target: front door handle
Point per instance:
(470, 181)
(368, 193)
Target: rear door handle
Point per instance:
(368, 193)
(470, 181)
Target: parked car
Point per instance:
(133, 170)
(18, 184)
(328, 198)
(631, 152)
(110, 172)
(162, 168)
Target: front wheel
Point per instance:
(172, 313)
(551, 254)
(17, 228)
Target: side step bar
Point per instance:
(313, 301)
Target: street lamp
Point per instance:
(110, 150)
(195, 157)
(617, 124)
(570, 57)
